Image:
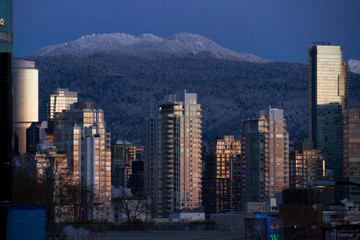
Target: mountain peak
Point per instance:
(145, 45)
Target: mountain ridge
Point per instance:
(145, 45)
(229, 91)
(144, 69)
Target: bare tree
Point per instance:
(77, 202)
(136, 209)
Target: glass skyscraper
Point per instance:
(327, 100)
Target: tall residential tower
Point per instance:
(175, 172)
(265, 152)
(81, 133)
(222, 176)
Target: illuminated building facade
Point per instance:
(306, 165)
(123, 153)
(352, 153)
(222, 176)
(265, 153)
(328, 93)
(81, 133)
(52, 167)
(61, 100)
(176, 173)
(25, 101)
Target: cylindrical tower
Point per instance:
(25, 101)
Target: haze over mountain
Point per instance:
(124, 75)
(145, 45)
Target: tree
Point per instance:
(77, 202)
(135, 209)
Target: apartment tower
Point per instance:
(81, 133)
(222, 175)
(265, 152)
(175, 172)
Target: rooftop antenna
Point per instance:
(322, 43)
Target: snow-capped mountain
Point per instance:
(145, 45)
(354, 66)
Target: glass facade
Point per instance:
(222, 176)
(61, 100)
(352, 153)
(328, 93)
(123, 154)
(265, 152)
(306, 165)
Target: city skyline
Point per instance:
(278, 31)
(218, 143)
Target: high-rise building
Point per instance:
(6, 26)
(328, 93)
(81, 133)
(352, 153)
(6, 47)
(265, 152)
(25, 101)
(136, 180)
(39, 133)
(52, 168)
(151, 177)
(175, 171)
(123, 153)
(61, 100)
(306, 165)
(222, 176)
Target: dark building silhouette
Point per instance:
(136, 180)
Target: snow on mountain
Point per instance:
(146, 45)
(354, 66)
